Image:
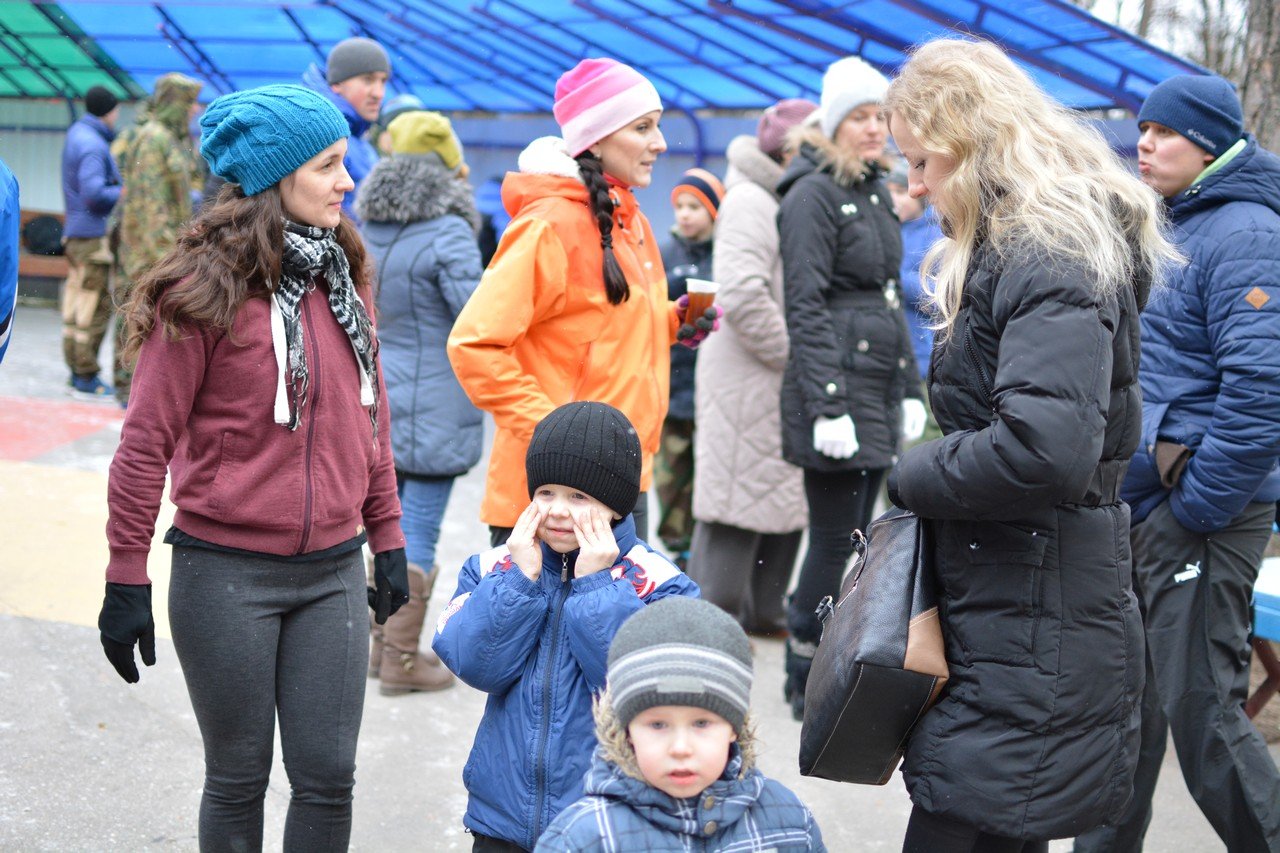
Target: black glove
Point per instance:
(391, 577)
(126, 619)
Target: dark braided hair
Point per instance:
(615, 283)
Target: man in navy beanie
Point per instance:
(1204, 482)
(355, 79)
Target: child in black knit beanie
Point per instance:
(531, 621)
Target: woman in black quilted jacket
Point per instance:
(851, 359)
(1051, 249)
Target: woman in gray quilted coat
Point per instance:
(748, 503)
(420, 226)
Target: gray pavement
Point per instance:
(88, 763)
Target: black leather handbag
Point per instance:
(881, 663)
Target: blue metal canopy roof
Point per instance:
(505, 55)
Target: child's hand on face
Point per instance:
(525, 547)
(598, 549)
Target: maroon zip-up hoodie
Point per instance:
(201, 406)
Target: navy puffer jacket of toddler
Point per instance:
(684, 259)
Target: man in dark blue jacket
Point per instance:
(1204, 482)
(355, 78)
(90, 189)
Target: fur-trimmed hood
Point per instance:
(817, 153)
(547, 171)
(406, 188)
(748, 163)
(548, 155)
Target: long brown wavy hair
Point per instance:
(230, 253)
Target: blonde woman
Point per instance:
(1051, 250)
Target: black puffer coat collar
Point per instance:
(811, 159)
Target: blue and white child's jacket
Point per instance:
(539, 650)
(739, 813)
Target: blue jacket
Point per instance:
(361, 154)
(10, 217)
(917, 236)
(620, 814)
(683, 260)
(419, 225)
(1210, 367)
(90, 179)
(539, 651)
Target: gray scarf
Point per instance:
(308, 252)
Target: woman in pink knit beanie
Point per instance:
(574, 304)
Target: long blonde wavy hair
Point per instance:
(1030, 175)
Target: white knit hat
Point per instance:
(848, 83)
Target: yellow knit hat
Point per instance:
(424, 132)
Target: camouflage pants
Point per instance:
(86, 303)
(673, 482)
(132, 268)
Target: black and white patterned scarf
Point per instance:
(309, 251)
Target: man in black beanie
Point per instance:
(90, 190)
(1204, 482)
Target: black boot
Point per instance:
(799, 660)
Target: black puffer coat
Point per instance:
(1036, 393)
(850, 350)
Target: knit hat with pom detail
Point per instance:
(258, 136)
(597, 97)
(681, 651)
(591, 447)
(847, 84)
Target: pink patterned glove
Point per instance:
(693, 334)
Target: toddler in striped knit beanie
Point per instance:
(675, 769)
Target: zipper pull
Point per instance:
(564, 568)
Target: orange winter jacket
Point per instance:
(539, 331)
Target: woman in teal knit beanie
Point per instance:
(258, 390)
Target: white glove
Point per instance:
(835, 437)
(913, 418)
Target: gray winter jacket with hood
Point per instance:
(739, 475)
(420, 225)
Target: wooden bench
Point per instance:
(40, 266)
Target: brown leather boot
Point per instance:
(405, 669)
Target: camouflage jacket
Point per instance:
(156, 172)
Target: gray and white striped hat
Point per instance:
(681, 651)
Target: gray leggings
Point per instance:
(258, 638)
